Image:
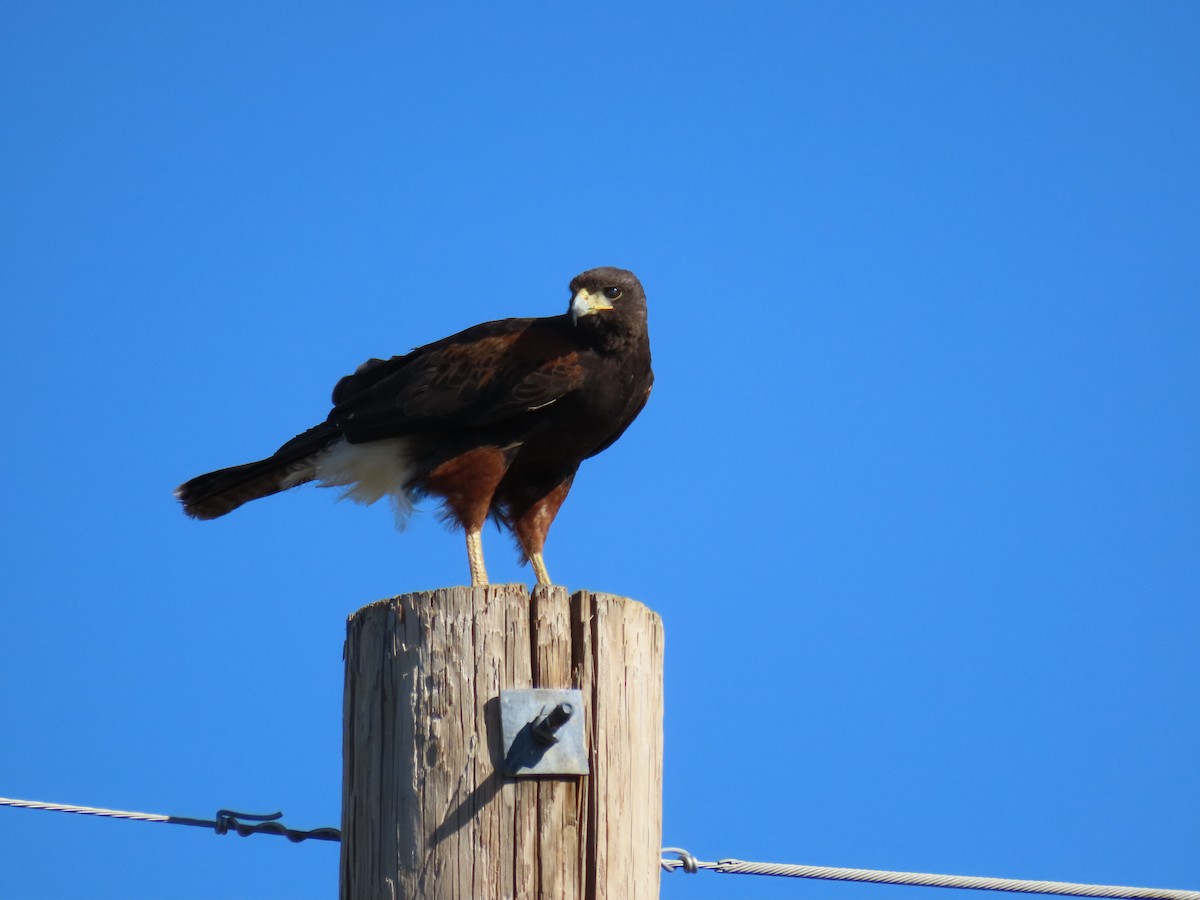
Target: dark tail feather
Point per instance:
(217, 493)
(212, 495)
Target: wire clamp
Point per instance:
(227, 820)
(240, 824)
(686, 861)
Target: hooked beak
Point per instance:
(586, 303)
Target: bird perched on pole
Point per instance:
(494, 421)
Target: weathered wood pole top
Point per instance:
(427, 813)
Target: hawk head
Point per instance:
(608, 301)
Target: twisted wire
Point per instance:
(84, 810)
(689, 863)
(226, 820)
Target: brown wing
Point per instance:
(484, 375)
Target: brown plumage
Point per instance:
(494, 421)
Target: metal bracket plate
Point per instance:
(552, 750)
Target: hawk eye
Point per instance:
(612, 293)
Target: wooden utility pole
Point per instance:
(427, 811)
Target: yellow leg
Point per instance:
(539, 569)
(475, 558)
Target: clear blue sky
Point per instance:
(919, 472)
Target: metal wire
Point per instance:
(227, 820)
(690, 864)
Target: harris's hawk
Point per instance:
(494, 420)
